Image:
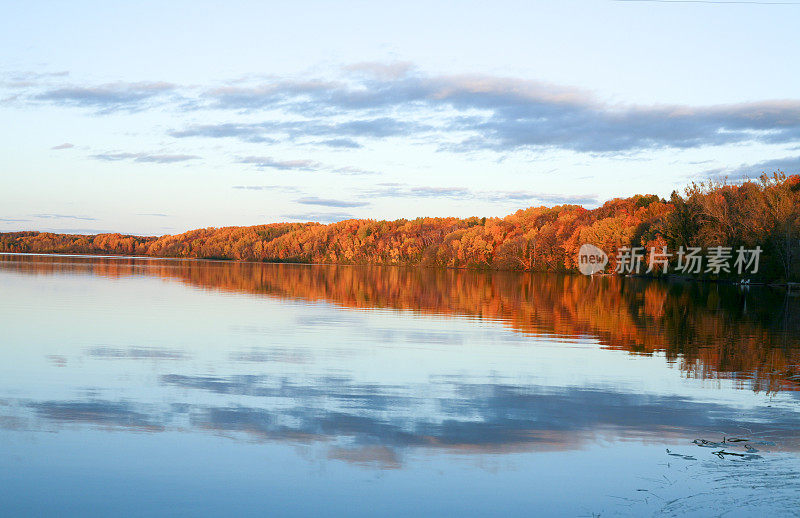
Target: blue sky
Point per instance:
(154, 119)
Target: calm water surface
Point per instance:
(142, 387)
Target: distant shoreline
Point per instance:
(664, 278)
(762, 215)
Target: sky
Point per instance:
(158, 117)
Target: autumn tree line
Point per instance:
(763, 213)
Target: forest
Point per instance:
(763, 213)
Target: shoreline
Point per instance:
(789, 286)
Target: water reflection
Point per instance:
(397, 373)
(491, 418)
(711, 330)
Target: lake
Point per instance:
(141, 387)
